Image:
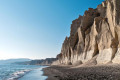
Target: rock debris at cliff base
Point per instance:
(103, 72)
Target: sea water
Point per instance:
(15, 72)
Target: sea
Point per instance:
(20, 72)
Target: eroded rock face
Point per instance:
(97, 32)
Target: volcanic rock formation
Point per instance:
(96, 33)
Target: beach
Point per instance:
(98, 72)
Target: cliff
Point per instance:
(95, 35)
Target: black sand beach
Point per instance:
(99, 72)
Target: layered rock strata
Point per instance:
(96, 33)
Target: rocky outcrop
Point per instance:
(47, 61)
(96, 33)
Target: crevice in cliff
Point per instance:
(96, 50)
(87, 46)
(76, 41)
(69, 54)
(114, 45)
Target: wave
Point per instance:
(18, 74)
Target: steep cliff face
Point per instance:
(96, 33)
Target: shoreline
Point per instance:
(97, 72)
(35, 74)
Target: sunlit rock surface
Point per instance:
(96, 33)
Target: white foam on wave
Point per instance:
(18, 74)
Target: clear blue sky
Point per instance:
(36, 29)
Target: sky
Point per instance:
(36, 29)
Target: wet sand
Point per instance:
(36, 74)
(99, 72)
